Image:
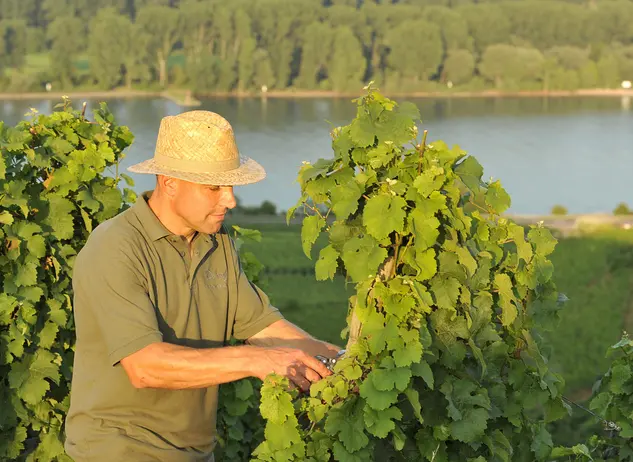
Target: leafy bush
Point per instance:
(622, 209)
(54, 191)
(612, 402)
(559, 210)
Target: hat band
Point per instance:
(197, 166)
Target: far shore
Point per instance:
(177, 95)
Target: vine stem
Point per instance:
(404, 252)
(422, 149)
(314, 209)
(355, 326)
(479, 207)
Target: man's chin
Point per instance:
(213, 228)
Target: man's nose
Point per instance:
(229, 198)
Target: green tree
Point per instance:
(608, 70)
(244, 47)
(110, 46)
(610, 22)
(198, 40)
(546, 24)
(35, 40)
(487, 24)
(625, 61)
(458, 67)
(263, 72)
(453, 27)
(279, 24)
(622, 209)
(569, 57)
(162, 27)
(588, 74)
(347, 64)
(507, 65)
(316, 46)
(66, 35)
(26, 10)
(377, 22)
(55, 9)
(14, 42)
(415, 51)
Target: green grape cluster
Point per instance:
(54, 188)
(443, 359)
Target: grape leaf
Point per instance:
(345, 199)
(6, 218)
(377, 399)
(470, 171)
(362, 131)
(362, 257)
(425, 229)
(12, 442)
(325, 267)
(379, 331)
(29, 375)
(7, 306)
(472, 425)
(384, 214)
(543, 240)
(449, 326)
(110, 199)
(503, 284)
(391, 377)
(380, 423)
(310, 231)
(497, 197)
(429, 181)
(422, 369)
(60, 217)
(426, 264)
(445, 291)
(276, 405)
(48, 334)
(347, 422)
(524, 249)
(26, 274)
(36, 245)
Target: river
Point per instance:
(573, 151)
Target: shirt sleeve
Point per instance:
(109, 286)
(254, 312)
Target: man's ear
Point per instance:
(168, 185)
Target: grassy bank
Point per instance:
(178, 94)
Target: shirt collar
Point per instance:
(153, 226)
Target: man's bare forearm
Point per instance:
(164, 365)
(284, 333)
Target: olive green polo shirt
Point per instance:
(134, 284)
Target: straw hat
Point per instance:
(200, 147)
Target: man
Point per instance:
(158, 292)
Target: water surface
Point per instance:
(577, 152)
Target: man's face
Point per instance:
(203, 207)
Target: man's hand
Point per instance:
(301, 368)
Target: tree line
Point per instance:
(243, 45)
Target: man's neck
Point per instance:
(163, 211)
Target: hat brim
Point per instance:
(248, 172)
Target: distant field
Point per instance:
(320, 307)
(595, 271)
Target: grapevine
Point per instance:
(443, 359)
